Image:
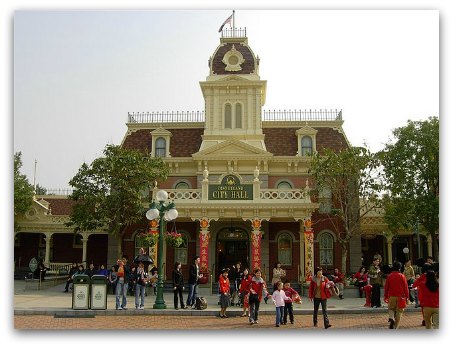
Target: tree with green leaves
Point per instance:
(411, 166)
(23, 191)
(109, 192)
(351, 176)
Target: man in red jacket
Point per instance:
(396, 294)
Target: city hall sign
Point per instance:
(230, 189)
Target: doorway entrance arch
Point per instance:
(232, 245)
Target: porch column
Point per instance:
(84, 248)
(389, 250)
(48, 236)
(204, 243)
(309, 251)
(301, 275)
(429, 241)
(256, 243)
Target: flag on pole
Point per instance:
(228, 20)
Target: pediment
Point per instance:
(306, 130)
(232, 148)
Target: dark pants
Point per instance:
(316, 302)
(376, 295)
(288, 310)
(178, 292)
(254, 307)
(360, 285)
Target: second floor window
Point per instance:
(228, 120)
(307, 145)
(161, 147)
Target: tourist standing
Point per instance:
(123, 273)
(277, 273)
(140, 287)
(396, 294)
(409, 273)
(278, 298)
(290, 295)
(236, 282)
(429, 287)
(245, 291)
(194, 276)
(318, 293)
(224, 289)
(374, 273)
(178, 285)
(257, 287)
(112, 279)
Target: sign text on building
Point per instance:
(230, 189)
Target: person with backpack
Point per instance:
(194, 276)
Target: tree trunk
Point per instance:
(344, 256)
(435, 246)
(120, 246)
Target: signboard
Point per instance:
(230, 189)
(98, 296)
(33, 264)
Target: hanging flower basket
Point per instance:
(149, 238)
(174, 239)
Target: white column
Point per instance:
(84, 249)
(48, 237)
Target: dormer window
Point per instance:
(306, 146)
(306, 139)
(161, 147)
(160, 143)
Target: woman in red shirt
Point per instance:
(360, 279)
(244, 290)
(429, 299)
(396, 294)
(224, 288)
(317, 293)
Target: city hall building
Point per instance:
(239, 177)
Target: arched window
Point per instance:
(285, 248)
(228, 116)
(284, 185)
(161, 147)
(182, 185)
(138, 243)
(181, 252)
(326, 249)
(238, 116)
(307, 145)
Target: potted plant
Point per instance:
(149, 238)
(174, 239)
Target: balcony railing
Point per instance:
(65, 191)
(267, 116)
(236, 32)
(166, 117)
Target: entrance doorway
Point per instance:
(232, 245)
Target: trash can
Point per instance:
(81, 292)
(98, 292)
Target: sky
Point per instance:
(69, 81)
(77, 74)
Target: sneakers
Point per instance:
(252, 322)
(124, 308)
(392, 323)
(141, 308)
(119, 308)
(276, 325)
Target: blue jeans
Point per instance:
(279, 315)
(121, 291)
(192, 297)
(139, 293)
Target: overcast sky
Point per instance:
(78, 73)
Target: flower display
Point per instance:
(174, 239)
(149, 238)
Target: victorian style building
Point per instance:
(239, 177)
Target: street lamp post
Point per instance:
(163, 212)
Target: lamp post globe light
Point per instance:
(165, 213)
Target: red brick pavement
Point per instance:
(410, 320)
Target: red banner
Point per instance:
(256, 251)
(204, 251)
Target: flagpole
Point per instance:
(233, 26)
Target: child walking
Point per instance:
(290, 293)
(278, 298)
(224, 288)
(257, 287)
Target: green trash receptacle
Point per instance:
(98, 292)
(81, 292)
